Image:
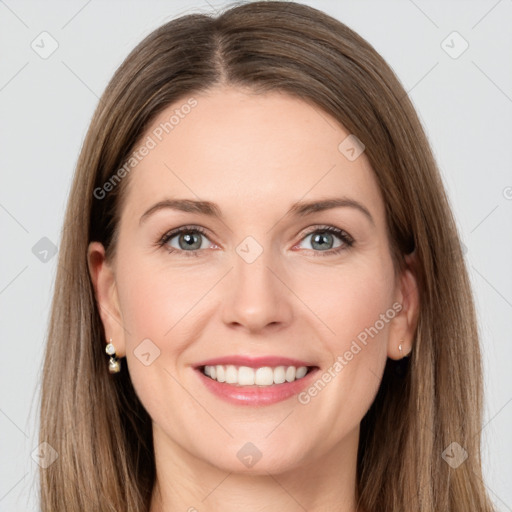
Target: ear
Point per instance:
(104, 283)
(403, 325)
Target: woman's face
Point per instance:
(262, 279)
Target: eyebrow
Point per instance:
(299, 209)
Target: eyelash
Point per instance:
(347, 240)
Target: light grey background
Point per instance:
(465, 104)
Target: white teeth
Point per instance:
(221, 373)
(246, 376)
(231, 375)
(262, 376)
(279, 375)
(301, 371)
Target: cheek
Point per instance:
(152, 303)
(160, 308)
(154, 299)
(144, 305)
(349, 300)
(357, 308)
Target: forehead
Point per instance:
(250, 153)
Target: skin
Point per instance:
(253, 155)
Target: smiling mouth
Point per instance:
(246, 376)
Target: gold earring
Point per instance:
(114, 365)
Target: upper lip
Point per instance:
(253, 361)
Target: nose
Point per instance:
(257, 297)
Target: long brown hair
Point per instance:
(96, 423)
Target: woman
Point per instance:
(260, 373)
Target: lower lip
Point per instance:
(256, 395)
